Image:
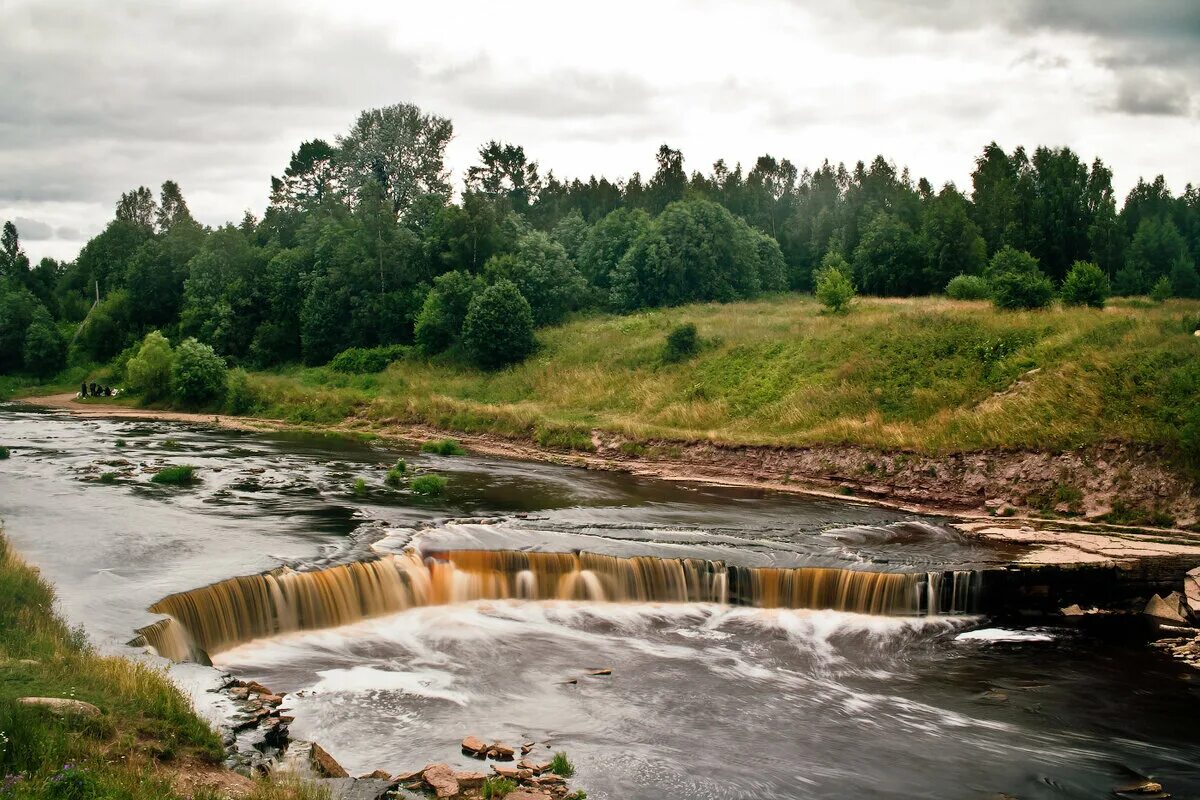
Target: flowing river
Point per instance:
(760, 646)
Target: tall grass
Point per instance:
(929, 374)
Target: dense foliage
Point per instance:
(362, 247)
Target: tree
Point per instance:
(107, 329)
(1017, 281)
(669, 180)
(1061, 213)
(439, 324)
(1184, 280)
(498, 329)
(1156, 246)
(149, 372)
(505, 174)
(137, 207)
(952, 242)
(45, 349)
(402, 149)
(571, 232)
(198, 374)
(607, 243)
(17, 307)
(1086, 285)
(544, 274)
(833, 286)
(172, 208)
(311, 178)
(223, 302)
(888, 259)
(1161, 290)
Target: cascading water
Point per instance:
(219, 616)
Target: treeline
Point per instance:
(362, 246)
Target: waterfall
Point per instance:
(219, 616)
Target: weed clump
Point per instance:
(496, 787)
(108, 477)
(180, 474)
(4, 453)
(561, 765)
(359, 488)
(428, 485)
(444, 447)
(397, 474)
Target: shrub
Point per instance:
(149, 372)
(430, 485)
(108, 477)
(561, 765)
(179, 474)
(240, 396)
(682, 343)
(498, 329)
(365, 360)
(1017, 281)
(397, 474)
(440, 321)
(832, 284)
(1086, 285)
(968, 287)
(198, 375)
(4, 453)
(1161, 290)
(444, 447)
(45, 350)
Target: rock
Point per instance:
(993, 503)
(441, 779)
(257, 688)
(1072, 611)
(473, 746)
(270, 699)
(547, 780)
(405, 777)
(376, 775)
(501, 752)
(470, 780)
(1167, 609)
(534, 766)
(524, 794)
(602, 671)
(512, 773)
(239, 693)
(1191, 589)
(325, 764)
(61, 706)
(525, 748)
(356, 788)
(569, 682)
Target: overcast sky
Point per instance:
(99, 97)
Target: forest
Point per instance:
(365, 244)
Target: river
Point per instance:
(705, 699)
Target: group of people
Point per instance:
(96, 390)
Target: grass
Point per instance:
(359, 487)
(430, 485)
(494, 787)
(561, 765)
(397, 474)
(180, 474)
(444, 447)
(927, 374)
(146, 729)
(108, 477)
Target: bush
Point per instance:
(108, 477)
(832, 284)
(198, 375)
(498, 329)
(430, 485)
(1086, 285)
(180, 474)
(149, 372)
(1185, 282)
(4, 453)
(968, 287)
(440, 321)
(1161, 290)
(544, 274)
(444, 447)
(682, 343)
(364, 360)
(45, 350)
(1017, 281)
(240, 396)
(561, 765)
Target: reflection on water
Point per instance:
(704, 701)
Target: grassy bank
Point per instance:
(145, 734)
(927, 374)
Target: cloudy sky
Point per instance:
(101, 97)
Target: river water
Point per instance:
(704, 700)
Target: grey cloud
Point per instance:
(1152, 95)
(33, 230)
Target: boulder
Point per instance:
(1191, 590)
(325, 764)
(470, 780)
(512, 773)
(473, 746)
(440, 778)
(1170, 609)
(501, 752)
(257, 688)
(376, 775)
(1072, 611)
(530, 764)
(61, 706)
